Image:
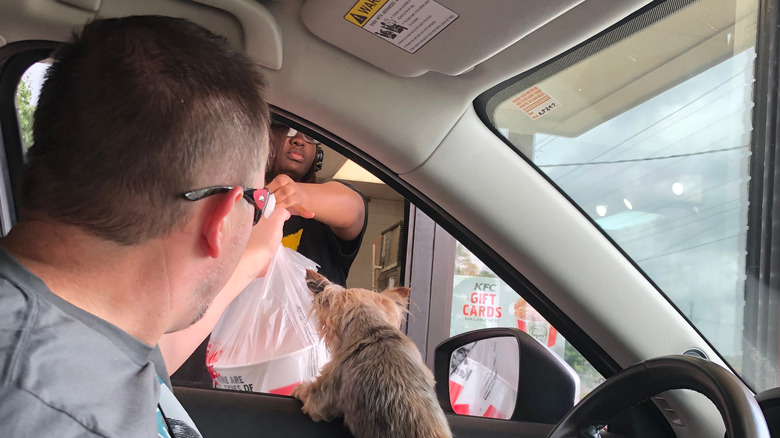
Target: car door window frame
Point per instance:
(15, 59)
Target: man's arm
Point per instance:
(263, 243)
(332, 203)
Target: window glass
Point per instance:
(648, 129)
(27, 99)
(480, 299)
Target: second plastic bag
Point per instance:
(266, 340)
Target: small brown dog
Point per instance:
(376, 379)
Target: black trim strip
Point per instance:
(763, 236)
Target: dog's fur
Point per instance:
(376, 379)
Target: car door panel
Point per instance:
(239, 414)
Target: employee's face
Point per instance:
(297, 157)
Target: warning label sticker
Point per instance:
(407, 24)
(535, 103)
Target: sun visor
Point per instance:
(262, 36)
(247, 24)
(412, 37)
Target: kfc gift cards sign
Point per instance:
(477, 303)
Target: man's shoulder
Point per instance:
(26, 415)
(39, 338)
(66, 371)
(18, 315)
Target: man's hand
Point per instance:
(264, 241)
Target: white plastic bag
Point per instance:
(266, 340)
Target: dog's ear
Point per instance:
(399, 294)
(316, 281)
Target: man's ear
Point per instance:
(214, 226)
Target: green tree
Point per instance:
(25, 109)
(589, 377)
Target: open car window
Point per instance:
(27, 99)
(648, 129)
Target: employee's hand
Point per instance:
(289, 196)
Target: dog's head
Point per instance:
(336, 306)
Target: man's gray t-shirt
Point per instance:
(65, 372)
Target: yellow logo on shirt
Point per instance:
(292, 240)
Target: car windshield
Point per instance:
(648, 129)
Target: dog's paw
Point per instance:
(301, 392)
(315, 413)
(315, 416)
(312, 406)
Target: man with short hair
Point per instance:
(137, 208)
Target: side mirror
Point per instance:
(503, 373)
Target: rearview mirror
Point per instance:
(503, 373)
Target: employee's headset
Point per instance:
(319, 155)
(318, 159)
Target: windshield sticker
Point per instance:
(407, 24)
(535, 103)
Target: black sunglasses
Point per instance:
(256, 197)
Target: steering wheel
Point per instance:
(637, 383)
